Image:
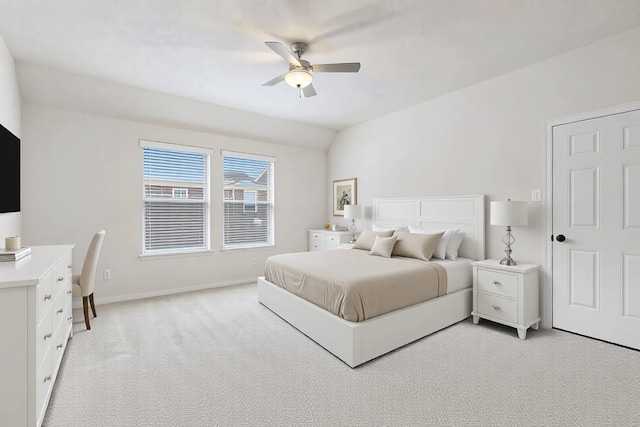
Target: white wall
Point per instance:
(9, 118)
(83, 172)
(488, 138)
(60, 89)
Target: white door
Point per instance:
(596, 209)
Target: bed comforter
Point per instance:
(354, 285)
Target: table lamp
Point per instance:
(509, 214)
(353, 212)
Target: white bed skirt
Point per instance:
(357, 342)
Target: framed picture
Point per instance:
(345, 192)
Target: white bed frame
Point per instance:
(358, 342)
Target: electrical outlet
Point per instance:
(536, 195)
(107, 274)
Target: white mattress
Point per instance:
(459, 273)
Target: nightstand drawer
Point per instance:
(333, 238)
(316, 245)
(314, 235)
(498, 307)
(499, 283)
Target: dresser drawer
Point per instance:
(60, 278)
(498, 307)
(44, 295)
(316, 245)
(68, 309)
(498, 283)
(58, 309)
(58, 345)
(334, 238)
(44, 336)
(314, 235)
(44, 381)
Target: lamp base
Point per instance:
(508, 240)
(508, 261)
(353, 228)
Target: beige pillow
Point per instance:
(383, 246)
(367, 239)
(419, 246)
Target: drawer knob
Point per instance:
(46, 297)
(69, 266)
(47, 336)
(59, 346)
(495, 282)
(68, 292)
(496, 307)
(69, 318)
(47, 378)
(60, 279)
(60, 310)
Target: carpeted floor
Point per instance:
(218, 357)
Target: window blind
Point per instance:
(175, 221)
(248, 200)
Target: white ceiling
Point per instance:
(213, 51)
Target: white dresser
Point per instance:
(36, 321)
(326, 240)
(506, 294)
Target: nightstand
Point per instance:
(326, 240)
(506, 294)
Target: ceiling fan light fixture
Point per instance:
(298, 78)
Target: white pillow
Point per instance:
(441, 249)
(454, 245)
(399, 229)
(383, 246)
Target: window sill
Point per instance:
(168, 255)
(247, 248)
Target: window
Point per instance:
(180, 193)
(248, 200)
(175, 198)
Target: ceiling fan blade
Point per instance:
(275, 80)
(284, 53)
(309, 91)
(347, 67)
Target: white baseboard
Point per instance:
(77, 301)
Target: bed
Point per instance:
(357, 342)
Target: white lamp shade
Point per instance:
(509, 213)
(353, 211)
(298, 78)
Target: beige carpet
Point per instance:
(218, 357)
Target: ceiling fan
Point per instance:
(300, 71)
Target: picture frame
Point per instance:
(345, 192)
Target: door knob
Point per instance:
(560, 238)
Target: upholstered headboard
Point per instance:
(463, 212)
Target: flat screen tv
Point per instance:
(9, 171)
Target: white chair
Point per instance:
(85, 281)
